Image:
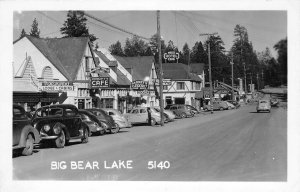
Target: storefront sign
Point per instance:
(171, 56)
(145, 92)
(99, 82)
(56, 86)
(139, 85)
(165, 82)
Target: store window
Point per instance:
(165, 87)
(180, 86)
(197, 86)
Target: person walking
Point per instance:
(149, 115)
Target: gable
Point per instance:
(29, 69)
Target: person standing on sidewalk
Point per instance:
(149, 115)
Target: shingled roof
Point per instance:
(178, 71)
(64, 53)
(141, 65)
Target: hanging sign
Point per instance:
(139, 84)
(56, 86)
(171, 56)
(99, 82)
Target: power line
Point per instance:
(116, 27)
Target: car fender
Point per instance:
(28, 129)
(64, 128)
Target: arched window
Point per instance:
(47, 73)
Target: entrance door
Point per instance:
(81, 104)
(169, 100)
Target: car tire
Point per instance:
(116, 129)
(229, 108)
(28, 150)
(60, 142)
(206, 109)
(183, 115)
(153, 122)
(221, 109)
(85, 138)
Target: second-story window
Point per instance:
(47, 73)
(197, 86)
(180, 86)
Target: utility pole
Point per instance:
(209, 64)
(257, 81)
(160, 73)
(262, 78)
(245, 77)
(232, 91)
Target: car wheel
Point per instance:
(85, 138)
(153, 122)
(192, 114)
(205, 109)
(28, 150)
(101, 132)
(116, 129)
(61, 140)
(269, 111)
(183, 115)
(221, 108)
(229, 108)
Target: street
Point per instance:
(231, 145)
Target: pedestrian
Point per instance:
(149, 115)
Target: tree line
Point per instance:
(261, 68)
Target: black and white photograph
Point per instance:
(138, 96)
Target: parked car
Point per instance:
(230, 105)
(118, 117)
(235, 103)
(217, 105)
(170, 115)
(140, 115)
(263, 105)
(110, 125)
(24, 134)
(193, 109)
(157, 109)
(60, 123)
(94, 124)
(181, 111)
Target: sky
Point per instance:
(265, 28)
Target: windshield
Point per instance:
(46, 112)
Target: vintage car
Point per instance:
(263, 105)
(192, 109)
(24, 135)
(140, 115)
(181, 111)
(118, 117)
(235, 103)
(94, 124)
(169, 115)
(60, 123)
(230, 105)
(109, 124)
(217, 105)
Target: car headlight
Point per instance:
(46, 128)
(56, 129)
(104, 125)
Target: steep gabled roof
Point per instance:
(178, 71)
(141, 65)
(64, 53)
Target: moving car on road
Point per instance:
(109, 124)
(170, 116)
(60, 123)
(263, 105)
(181, 111)
(140, 115)
(217, 105)
(24, 135)
(118, 117)
(94, 124)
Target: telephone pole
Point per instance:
(160, 73)
(232, 91)
(209, 64)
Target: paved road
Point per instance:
(235, 145)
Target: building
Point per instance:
(53, 70)
(182, 83)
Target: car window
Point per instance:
(46, 112)
(85, 117)
(110, 113)
(70, 112)
(143, 111)
(18, 112)
(135, 111)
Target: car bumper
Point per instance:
(124, 124)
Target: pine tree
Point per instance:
(75, 26)
(23, 33)
(35, 32)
